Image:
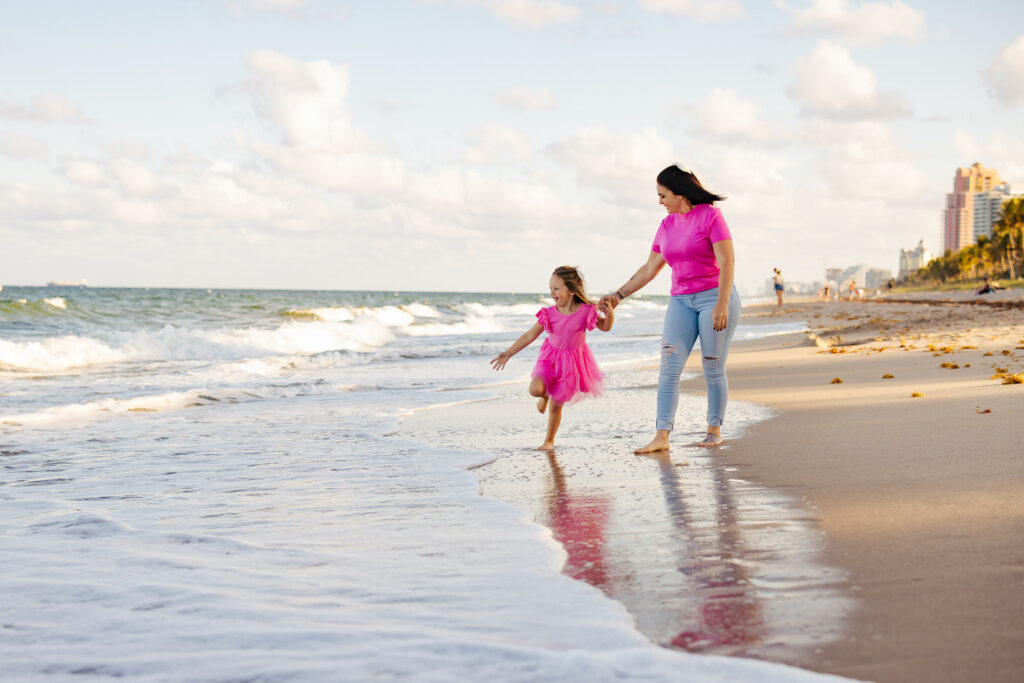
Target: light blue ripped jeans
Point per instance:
(689, 316)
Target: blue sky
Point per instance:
(477, 144)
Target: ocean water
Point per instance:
(206, 485)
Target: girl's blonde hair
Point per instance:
(574, 282)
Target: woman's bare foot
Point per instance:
(658, 443)
(542, 404)
(546, 446)
(711, 440)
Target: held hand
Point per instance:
(609, 301)
(720, 316)
(499, 361)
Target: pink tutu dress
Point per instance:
(566, 363)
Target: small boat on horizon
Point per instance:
(63, 283)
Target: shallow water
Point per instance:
(703, 560)
(202, 486)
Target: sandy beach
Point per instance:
(868, 527)
(921, 497)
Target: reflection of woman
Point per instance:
(695, 241)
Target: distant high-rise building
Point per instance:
(877, 277)
(958, 218)
(855, 274)
(913, 259)
(832, 276)
(988, 207)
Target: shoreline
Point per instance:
(915, 533)
(921, 498)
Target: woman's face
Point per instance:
(560, 294)
(672, 202)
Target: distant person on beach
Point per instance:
(988, 287)
(565, 369)
(778, 284)
(695, 241)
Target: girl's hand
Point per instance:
(499, 361)
(720, 316)
(608, 301)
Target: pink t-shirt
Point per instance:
(684, 240)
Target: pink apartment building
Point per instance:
(958, 230)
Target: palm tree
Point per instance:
(1009, 231)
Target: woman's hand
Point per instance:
(499, 361)
(609, 301)
(720, 316)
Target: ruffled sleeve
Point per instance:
(542, 318)
(592, 318)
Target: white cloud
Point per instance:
(623, 165)
(494, 145)
(84, 172)
(21, 147)
(533, 13)
(521, 98)
(45, 110)
(304, 100)
(726, 115)
(1005, 75)
(868, 22)
(830, 84)
(866, 160)
(705, 10)
(1001, 152)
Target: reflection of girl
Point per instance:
(695, 240)
(578, 522)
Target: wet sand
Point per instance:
(704, 560)
(921, 498)
(859, 531)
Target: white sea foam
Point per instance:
(183, 344)
(56, 302)
(421, 310)
(337, 560)
(489, 311)
(470, 325)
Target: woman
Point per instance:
(778, 284)
(695, 241)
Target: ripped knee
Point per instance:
(667, 349)
(713, 366)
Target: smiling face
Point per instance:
(560, 294)
(673, 202)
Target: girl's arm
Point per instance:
(518, 345)
(640, 279)
(605, 324)
(726, 272)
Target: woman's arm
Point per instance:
(726, 273)
(518, 345)
(640, 279)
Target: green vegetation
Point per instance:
(1000, 257)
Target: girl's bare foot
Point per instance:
(542, 404)
(547, 446)
(658, 443)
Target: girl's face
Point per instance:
(673, 202)
(560, 294)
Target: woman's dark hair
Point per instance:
(685, 184)
(573, 282)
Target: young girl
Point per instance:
(565, 368)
